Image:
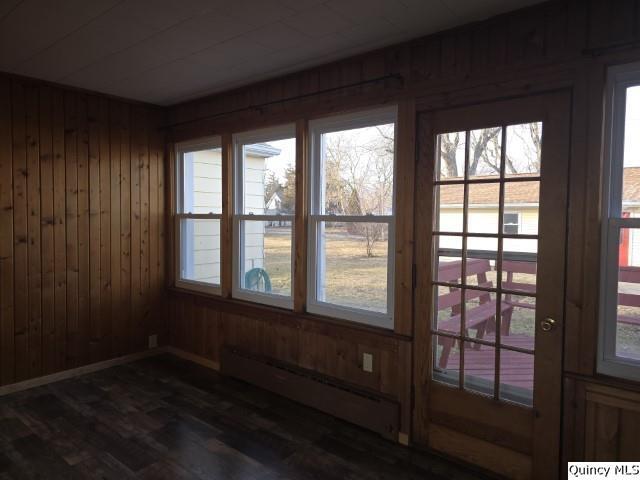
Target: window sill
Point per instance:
(295, 319)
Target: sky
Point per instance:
(632, 128)
(287, 157)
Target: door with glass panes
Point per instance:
(492, 183)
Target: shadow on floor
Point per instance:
(164, 418)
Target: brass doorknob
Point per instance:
(547, 324)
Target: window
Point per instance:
(484, 267)
(511, 223)
(199, 211)
(619, 346)
(264, 207)
(351, 221)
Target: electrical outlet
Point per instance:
(367, 362)
(153, 341)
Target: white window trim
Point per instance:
(256, 136)
(619, 79)
(316, 129)
(180, 149)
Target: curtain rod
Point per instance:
(259, 106)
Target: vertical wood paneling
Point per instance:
(300, 224)
(60, 236)
(405, 173)
(105, 229)
(94, 229)
(125, 323)
(115, 159)
(65, 228)
(47, 231)
(84, 252)
(611, 423)
(7, 359)
(136, 279)
(33, 227)
(145, 280)
(20, 233)
(71, 202)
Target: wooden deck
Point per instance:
(516, 369)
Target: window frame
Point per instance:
(181, 149)
(517, 224)
(280, 132)
(619, 79)
(318, 127)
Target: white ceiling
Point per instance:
(167, 51)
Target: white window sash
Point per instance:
(382, 116)
(181, 149)
(609, 363)
(180, 281)
(240, 140)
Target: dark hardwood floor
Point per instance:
(164, 418)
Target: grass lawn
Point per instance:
(353, 279)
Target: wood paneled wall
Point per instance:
(564, 44)
(605, 420)
(203, 325)
(82, 228)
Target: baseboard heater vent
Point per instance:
(347, 402)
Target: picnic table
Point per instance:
(481, 315)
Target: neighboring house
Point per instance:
(521, 210)
(204, 170)
(274, 207)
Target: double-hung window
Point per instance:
(511, 223)
(351, 220)
(264, 208)
(619, 347)
(198, 214)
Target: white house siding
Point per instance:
(254, 202)
(207, 198)
(485, 220)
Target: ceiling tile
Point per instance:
(257, 13)
(36, 24)
(318, 21)
(278, 36)
(181, 41)
(472, 10)
(6, 6)
(164, 51)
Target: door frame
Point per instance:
(511, 442)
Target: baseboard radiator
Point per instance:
(329, 395)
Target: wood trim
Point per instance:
(422, 291)
(404, 190)
(550, 300)
(78, 371)
(226, 229)
(301, 222)
(365, 334)
(502, 423)
(192, 357)
(486, 455)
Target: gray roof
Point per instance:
(263, 150)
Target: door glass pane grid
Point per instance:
(484, 330)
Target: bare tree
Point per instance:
(359, 179)
(485, 151)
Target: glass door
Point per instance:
(490, 282)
